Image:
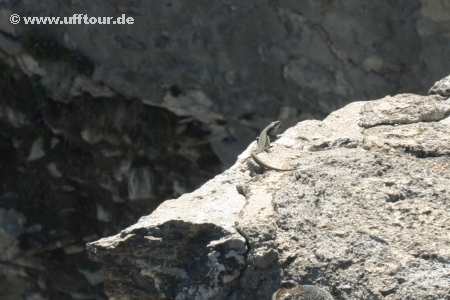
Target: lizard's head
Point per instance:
(275, 125)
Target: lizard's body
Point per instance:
(264, 143)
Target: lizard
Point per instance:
(302, 292)
(264, 143)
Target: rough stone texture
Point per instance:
(365, 216)
(442, 87)
(171, 256)
(99, 124)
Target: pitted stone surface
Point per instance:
(359, 220)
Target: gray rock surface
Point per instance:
(441, 87)
(365, 216)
